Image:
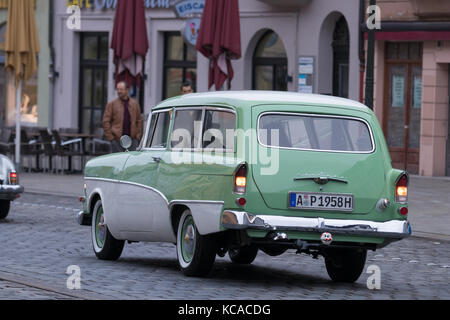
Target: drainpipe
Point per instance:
(362, 58)
(52, 72)
(370, 64)
(297, 51)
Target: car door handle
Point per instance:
(156, 159)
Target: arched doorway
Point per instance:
(341, 45)
(270, 63)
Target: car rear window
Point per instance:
(311, 132)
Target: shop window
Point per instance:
(270, 64)
(411, 51)
(180, 64)
(29, 107)
(341, 47)
(403, 103)
(93, 81)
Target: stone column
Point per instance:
(434, 119)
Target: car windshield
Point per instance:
(309, 132)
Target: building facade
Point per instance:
(294, 45)
(35, 98)
(299, 45)
(411, 97)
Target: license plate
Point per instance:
(321, 201)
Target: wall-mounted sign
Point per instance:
(306, 74)
(398, 91)
(190, 32)
(112, 4)
(417, 92)
(189, 8)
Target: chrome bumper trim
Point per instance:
(10, 192)
(11, 189)
(393, 229)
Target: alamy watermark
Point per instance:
(374, 19)
(74, 280)
(74, 19)
(215, 146)
(374, 281)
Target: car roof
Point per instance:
(241, 99)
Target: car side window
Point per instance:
(219, 129)
(187, 129)
(159, 130)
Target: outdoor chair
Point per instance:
(98, 146)
(69, 149)
(48, 145)
(30, 148)
(6, 143)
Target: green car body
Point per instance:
(202, 181)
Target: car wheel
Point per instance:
(243, 255)
(196, 253)
(4, 208)
(106, 247)
(345, 265)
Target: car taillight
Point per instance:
(13, 178)
(401, 189)
(240, 179)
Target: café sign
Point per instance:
(191, 11)
(189, 8)
(112, 4)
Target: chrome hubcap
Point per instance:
(100, 229)
(188, 240)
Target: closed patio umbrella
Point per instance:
(129, 41)
(219, 39)
(21, 48)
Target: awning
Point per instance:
(130, 41)
(411, 30)
(410, 35)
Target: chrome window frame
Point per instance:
(313, 115)
(149, 135)
(199, 147)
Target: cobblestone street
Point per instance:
(40, 240)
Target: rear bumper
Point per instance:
(394, 229)
(9, 192)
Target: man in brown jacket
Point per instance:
(122, 117)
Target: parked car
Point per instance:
(9, 185)
(239, 172)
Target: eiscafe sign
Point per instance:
(112, 4)
(182, 8)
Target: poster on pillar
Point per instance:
(398, 91)
(306, 75)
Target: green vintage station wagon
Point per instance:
(250, 171)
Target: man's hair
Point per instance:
(187, 84)
(125, 83)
